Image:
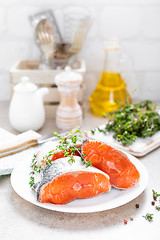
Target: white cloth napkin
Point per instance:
(8, 163)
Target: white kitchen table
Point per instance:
(20, 219)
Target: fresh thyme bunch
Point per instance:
(135, 120)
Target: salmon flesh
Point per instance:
(122, 172)
(63, 181)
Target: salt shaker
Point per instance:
(69, 113)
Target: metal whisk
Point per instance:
(77, 22)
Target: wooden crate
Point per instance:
(45, 78)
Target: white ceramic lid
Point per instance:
(25, 85)
(68, 77)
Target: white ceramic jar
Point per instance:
(26, 109)
(69, 113)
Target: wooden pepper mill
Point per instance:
(69, 113)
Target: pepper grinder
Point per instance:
(69, 113)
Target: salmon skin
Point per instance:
(122, 172)
(63, 181)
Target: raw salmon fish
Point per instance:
(63, 181)
(123, 174)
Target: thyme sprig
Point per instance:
(132, 121)
(155, 194)
(35, 168)
(158, 207)
(68, 143)
(149, 216)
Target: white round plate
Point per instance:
(112, 199)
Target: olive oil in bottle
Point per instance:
(111, 91)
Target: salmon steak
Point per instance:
(63, 181)
(122, 172)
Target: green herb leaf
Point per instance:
(149, 216)
(158, 208)
(101, 130)
(89, 163)
(93, 131)
(155, 193)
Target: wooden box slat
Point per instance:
(30, 68)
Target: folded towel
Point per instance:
(8, 139)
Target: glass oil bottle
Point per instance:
(110, 92)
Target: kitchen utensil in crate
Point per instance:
(49, 16)
(77, 22)
(79, 36)
(46, 42)
(47, 36)
(69, 113)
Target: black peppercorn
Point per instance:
(137, 205)
(155, 197)
(153, 203)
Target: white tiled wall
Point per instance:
(135, 22)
